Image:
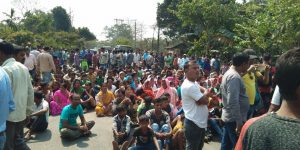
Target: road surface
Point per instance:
(100, 139)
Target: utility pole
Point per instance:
(134, 34)
(119, 21)
(158, 29)
(154, 28)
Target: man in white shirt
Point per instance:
(136, 58)
(194, 100)
(276, 100)
(39, 118)
(30, 63)
(104, 56)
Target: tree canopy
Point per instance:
(52, 28)
(61, 20)
(267, 26)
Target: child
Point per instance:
(144, 136)
(121, 127)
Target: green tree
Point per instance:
(62, 21)
(121, 41)
(37, 21)
(20, 37)
(212, 21)
(11, 20)
(167, 20)
(86, 33)
(270, 27)
(119, 31)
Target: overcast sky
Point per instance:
(96, 14)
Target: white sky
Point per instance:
(96, 14)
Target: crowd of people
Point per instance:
(156, 100)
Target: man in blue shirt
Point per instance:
(6, 104)
(68, 126)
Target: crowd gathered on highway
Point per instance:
(157, 100)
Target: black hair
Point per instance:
(38, 94)
(143, 118)
(164, 98)
(157, 100)
(239, 59)
(75, 80)
(122, 91)
(72, 96)
(104, 83)
(288, 73)
(132, 98)
(46, 48)
(43, 84)
(267, 57)
(18, 49)
(148, 99)
(65, 85)
(6, 48)
(120, 108)
(188, 63)
(139, 92)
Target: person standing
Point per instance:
(23, 98)
(7, 104)
(130, 58)
(250, 79)
(104, 57)
(281, 129)
(235, 100)
(137, 58)
(30, 63)
(194, 103)
(45, 65)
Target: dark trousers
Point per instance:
(266, 97)
(15, 136)
(194, 135)
(32, 73)
(229, 136)
(38, 124)
(74, 134)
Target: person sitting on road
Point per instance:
(121, 126)
(120, 100)
(160, 123)
(145, 106)
(60, 100)
(104, 102)
(69, 129)
(88, 97)
(38, 121)
(178, 138)
(143, 136)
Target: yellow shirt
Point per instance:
(250, 81)
(106, 98)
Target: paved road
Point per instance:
(100, 139)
